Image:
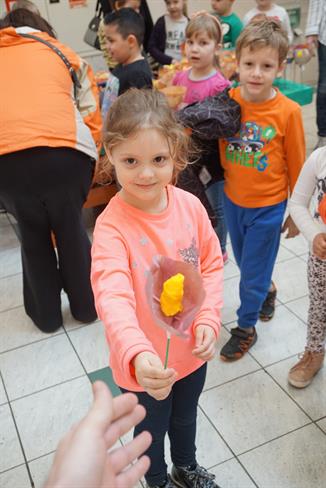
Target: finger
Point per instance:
(101, 412)
(159, 394)
(157, 384)
(131, 476)
(123, 456)
(200, 333)
(123, 404)
(156, 373)
(121, 426)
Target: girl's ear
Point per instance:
(109, 155)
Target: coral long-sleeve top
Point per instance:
(126, 240)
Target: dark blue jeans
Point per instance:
(321, 91)
(255, 237)
(177, 416)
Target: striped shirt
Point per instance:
(316, 24)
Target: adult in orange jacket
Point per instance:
(47, 157)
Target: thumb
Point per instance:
(101, 411)
(200, 332)
(155, 361)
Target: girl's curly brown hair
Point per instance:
(145, 109)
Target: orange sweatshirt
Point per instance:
(37, 107)
(125, 242)
(264, 160)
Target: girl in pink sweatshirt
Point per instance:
(149, 217)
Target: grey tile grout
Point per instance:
(47, 388)
(18, 433)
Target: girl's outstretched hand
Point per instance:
(319, 246)
(205, 342)
(151, 375)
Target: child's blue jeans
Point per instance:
(177, 416)
(215, 195)
(255, 237)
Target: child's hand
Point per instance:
(151, 375)
(319, 246)
(290, 227)
(205, 342)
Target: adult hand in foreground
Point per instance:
(82, 459)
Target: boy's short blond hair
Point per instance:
(263, 32)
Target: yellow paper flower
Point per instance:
(172, 295)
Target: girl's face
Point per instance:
(201, 51)
(144, 167)
(174, 8)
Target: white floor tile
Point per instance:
(284, 254)
(219, 371)
(280, 338)
(17, 329)
(3, 398)
(296, 460)
(11, 292)
(8, 238)
(91, 346)
(15, 478)
(43, 418)
(10, 451)
(230, 270)
(41, 365)
(298, 245)
(231, 475)
(40, 468)
(207, 436)
(250, 411)
(322, 424)
(231, 300)
(313, 398)
(288, 277)
(10, 262)
(300, 307)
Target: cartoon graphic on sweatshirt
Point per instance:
(248, 148)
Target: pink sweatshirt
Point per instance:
(126, 240)
(198, 90)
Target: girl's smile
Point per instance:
(144, 167)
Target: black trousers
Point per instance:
(44, 189)
(177, 416)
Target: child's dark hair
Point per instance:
(128, 23)
(145, 109)
(21, 17)
(263, 32)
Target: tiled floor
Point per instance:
(253, 429)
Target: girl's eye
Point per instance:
(130, 161)
(159, 159)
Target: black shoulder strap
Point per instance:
(62, 56)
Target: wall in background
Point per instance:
(71, 25)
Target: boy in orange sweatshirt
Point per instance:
(261, 165)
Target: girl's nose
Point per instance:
(146, 172)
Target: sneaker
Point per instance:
(168, 484)
(268, 307)
(193, 478)
(302, 373)
(321, 142)
(225, 258)
(238, 344)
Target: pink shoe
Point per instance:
(225, 258)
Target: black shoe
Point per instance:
(193, 478)
(238, 344)
(268, 307)
(168, 484)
